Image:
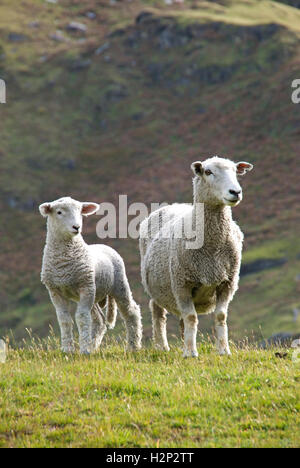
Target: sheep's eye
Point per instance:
(59, 212)
(208, 172)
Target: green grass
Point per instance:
(150, 399)
(278, 248)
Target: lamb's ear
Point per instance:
(45, 209)
(243, 167)
(89, 208)
(197, 168)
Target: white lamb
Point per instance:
(186, 281)
(85, 277)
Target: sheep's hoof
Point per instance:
(85, 353)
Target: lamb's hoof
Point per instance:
(133, 349)
(68, 350)
(188, 354)
(224, 352)
(160, 347)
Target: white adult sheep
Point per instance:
(86, 275)
(186, 281)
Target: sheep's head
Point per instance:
(65, 215)
(216, 181)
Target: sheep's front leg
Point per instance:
(190, 319)
(62, 307)
(83, 318)
(224, 296)
(159, 325)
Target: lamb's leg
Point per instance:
(129, 310)
(131, 315)
(159, 326)
(190, 320)
(98, 327)
(83, 318)
(224, 296)
(62, 307)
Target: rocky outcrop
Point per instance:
(261, 265)
(169, 33)
(17, 37)
(293, 3)
(164, 34)
(279, 340)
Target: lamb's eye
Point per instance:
(59, 212)
(208, 172)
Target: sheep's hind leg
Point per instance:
(98, 327)
(159, 326)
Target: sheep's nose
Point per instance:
(76, 228)
(236, 193)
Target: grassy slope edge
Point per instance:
(150, 399)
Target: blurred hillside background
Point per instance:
(122, 103)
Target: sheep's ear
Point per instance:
(243, 167)
(197, 168)
(45, 209)
(89, 208)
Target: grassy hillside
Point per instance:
(124, 108)
(148, 400)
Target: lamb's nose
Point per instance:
(235, 192)
(76, 228)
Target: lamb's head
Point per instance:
(65, 215)
(216, 181)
